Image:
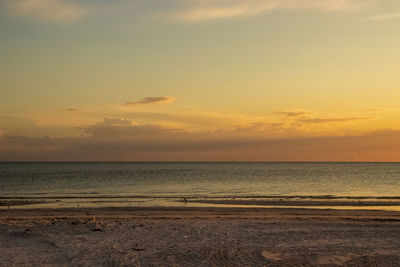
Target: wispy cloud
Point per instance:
(72, 109)
(308, 117)
(201, 10)
(152, 100)
(375, 109)
(291, 113)
(381, 17)
(331, 120)
(63, 11)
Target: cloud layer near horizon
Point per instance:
(124, 140)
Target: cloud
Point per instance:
(72, 109)
(381, 17)
(330, 120)
(62, 11)
(118, 139)
(202, 10)
(152, 100)
(291, 113)
(116, 122)
(375, 109)
(305, 117)
(200, 119)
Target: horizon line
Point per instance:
(200, 161)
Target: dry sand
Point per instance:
(199, 237)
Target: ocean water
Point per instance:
(41, 185)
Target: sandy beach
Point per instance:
(199, 237)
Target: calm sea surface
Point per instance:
(166, 184)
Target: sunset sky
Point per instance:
(208, 80)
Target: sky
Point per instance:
(199, 80)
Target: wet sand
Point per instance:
(199, 237)
(301, 203)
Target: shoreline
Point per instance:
(195, 212)
(192, 203)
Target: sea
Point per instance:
(29, 185)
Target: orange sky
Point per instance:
(230, 80)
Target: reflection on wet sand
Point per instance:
(308, 202)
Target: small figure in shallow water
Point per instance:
(184, 200)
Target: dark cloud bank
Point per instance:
(122, 140)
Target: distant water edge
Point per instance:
(199, 184)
